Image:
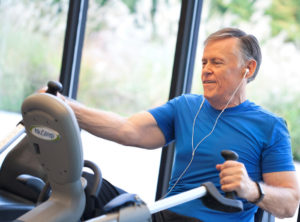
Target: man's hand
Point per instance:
(234, 177)
(44, 90)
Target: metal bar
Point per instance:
(74, 37)
(112, 217)
(182, 76)
(12, 137)
(177, 199)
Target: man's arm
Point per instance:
(140, 130)
(281, 193)
(281, 188)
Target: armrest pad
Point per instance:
(120, 201)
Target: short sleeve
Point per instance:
(165, 117)
(277, 155)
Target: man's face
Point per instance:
(222, 71)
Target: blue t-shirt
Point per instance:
(260, 138)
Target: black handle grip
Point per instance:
(230, 155)
(214, 200)
(54, 87)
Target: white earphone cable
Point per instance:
(212, 130)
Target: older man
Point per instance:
(203, 125)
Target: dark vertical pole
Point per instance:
(182, 76)
(74, 37)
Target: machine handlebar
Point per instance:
(54, 87)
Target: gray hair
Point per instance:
(249, 46)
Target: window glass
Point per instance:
(126, 68)
(31, 43)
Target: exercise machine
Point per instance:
(40, 178)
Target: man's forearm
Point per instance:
(281, 189)
(103, 124)
(281, 202)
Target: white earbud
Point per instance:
(246, 72)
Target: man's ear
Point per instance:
(251, 66)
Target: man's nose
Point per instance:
(206, 69)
